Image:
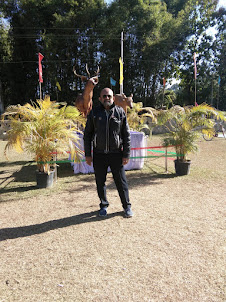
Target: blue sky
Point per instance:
(222, 3)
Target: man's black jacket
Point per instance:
(108, 131)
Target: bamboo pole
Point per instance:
(40, 89)
(166, 163)
(121, 85)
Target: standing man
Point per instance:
(108, 131)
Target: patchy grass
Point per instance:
(54, 247)
(17, 174)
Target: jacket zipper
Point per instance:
(107, 132)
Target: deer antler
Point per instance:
(84, 102)
(78, 75)
(98, 71)
(84, 78)
(87, 70)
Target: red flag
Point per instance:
(195, 68)
(164, 82)
(40, 57)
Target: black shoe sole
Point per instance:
(102, 215)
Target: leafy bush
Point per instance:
(184, 125)
(43, 128)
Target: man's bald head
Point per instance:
(106, 97)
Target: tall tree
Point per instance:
(201, 42)
(220, 59)
(159, 40)
(152, 35)
(62, 31)
(5, 52)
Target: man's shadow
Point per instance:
(29, 230)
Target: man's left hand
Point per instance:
(125, 161)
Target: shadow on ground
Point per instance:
(22, 177)
(14, 163)
(25, 178)
(17, 189)
(30, 230)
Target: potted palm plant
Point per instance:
(137, 120)
(42, 128)
(184, 126)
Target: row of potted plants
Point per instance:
(43, 127)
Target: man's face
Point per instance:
(106, 97)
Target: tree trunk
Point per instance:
(1, 99)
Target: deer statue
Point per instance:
(84, 101)
(123, 101)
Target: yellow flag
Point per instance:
(121, 71)
(58, 85)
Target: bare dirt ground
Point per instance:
(54, 247)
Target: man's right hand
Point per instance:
(89, 160)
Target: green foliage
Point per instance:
(209, 60)
(160, 38)
(44, 127)
(136, 121)
(184, 125)
(165, 98)
(151, 35)
(5, 55)
(220, 59)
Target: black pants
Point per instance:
(101, 162)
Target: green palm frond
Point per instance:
(137, 121)
(184, 124)
(42, 128)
